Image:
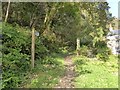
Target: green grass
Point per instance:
(46, 75)
(93, 73)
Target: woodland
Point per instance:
(57, 45)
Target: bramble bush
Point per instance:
(16, 54)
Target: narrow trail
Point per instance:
(67, 80)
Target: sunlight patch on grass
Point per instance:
(95, 73)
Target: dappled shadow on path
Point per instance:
(67, 80)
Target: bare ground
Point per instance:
(67, 80)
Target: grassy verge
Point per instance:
(93, 73)
(46, 75)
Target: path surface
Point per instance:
(67, 80)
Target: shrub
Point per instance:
(103, 54)
(40, 49)
(84, 50)
(16, 55)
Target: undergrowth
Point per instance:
(46, 75)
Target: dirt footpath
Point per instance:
(67, 80)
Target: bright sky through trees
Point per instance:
(114, 7)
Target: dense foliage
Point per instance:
(16, 54)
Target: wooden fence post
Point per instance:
(33, 47)
(78, 46)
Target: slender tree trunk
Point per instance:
(6, 17)
(78, 46)
(33, 47)
(49, 17)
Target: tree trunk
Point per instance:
(33, 47)
(49, 17)
(78, 46)
(6, 17)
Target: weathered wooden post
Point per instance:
(33, 48)
(78, 46)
